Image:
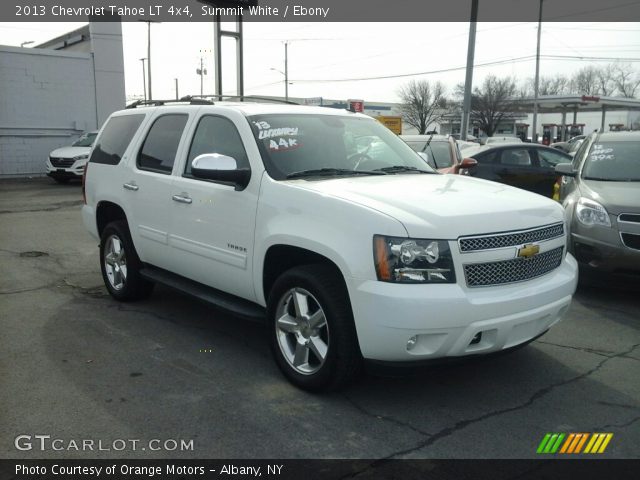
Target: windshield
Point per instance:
(439, 151)
(85, 140)
(613, 161)
(292, 143)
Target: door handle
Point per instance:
(131, 186)
(184, 198)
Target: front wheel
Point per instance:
(312, 333)
(120, 264)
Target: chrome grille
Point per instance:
(501, 240)
(61, 162)
(510, 271)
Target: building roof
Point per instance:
(63, 41)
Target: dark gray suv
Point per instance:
(600, 191)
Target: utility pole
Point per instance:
(144, 79)
(286, 71)
(202, 71)
(534, 133)
(466, 104)
(149, 22)
(177, 97)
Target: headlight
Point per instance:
(592, 213)
(81, 157)
(408, 260)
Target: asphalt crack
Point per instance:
(386, 418)
(617, 425)
(603, 353)
(462, 424)
(50, 208)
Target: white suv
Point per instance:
(350, 253)
(67, 163)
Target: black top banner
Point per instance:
(319, 10)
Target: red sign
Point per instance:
(356, 105)
(586, 98)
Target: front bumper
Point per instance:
(600, 249)
(446, 319)
(76, 170)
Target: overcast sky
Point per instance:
(321, 54)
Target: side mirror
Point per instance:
(565, 169)
(427, 159)
(468, 163)
(214, 166)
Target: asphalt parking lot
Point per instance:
(75, 364)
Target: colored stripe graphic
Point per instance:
(598, 443)
(573, 443)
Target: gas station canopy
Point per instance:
(574, 103)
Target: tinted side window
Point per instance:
(115, 138)
(217, 135)
(516, 156)
(577, 158)
(488, 157)
(158, 152)
(549, 158)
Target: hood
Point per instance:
(615, 197)
(443, 206)
(70, 152)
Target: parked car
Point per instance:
(67, 163)
(440, 151)
(280, 213)
(526, 165)
(470, 138)
(569, 144)
(600, 191)
(494, 140)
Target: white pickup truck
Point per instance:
(328, 226)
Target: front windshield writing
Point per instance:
(299, 142)
(613, 161)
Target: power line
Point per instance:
(479, 65)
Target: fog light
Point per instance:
(476, 338)
(412, 342)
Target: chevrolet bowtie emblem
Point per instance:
(528, 251)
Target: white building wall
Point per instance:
(49, 97)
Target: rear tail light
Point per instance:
(84, 181)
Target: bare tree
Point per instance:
(626, 80)
(604, 80)
(492, 102)
(585, 81)
(422, 103)
(553, 85)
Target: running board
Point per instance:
(224, 301)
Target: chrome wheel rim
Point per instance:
(302, 331)
(115, 263)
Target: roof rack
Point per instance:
(158, 103)
(204, 100)
(241, 98)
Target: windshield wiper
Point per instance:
(331, 172)
(401, 168)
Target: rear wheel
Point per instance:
(120, 264)
(312, 333)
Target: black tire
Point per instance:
(61, 180)
(343, 360)
(132, 286)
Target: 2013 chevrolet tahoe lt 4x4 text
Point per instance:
(330, 227)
